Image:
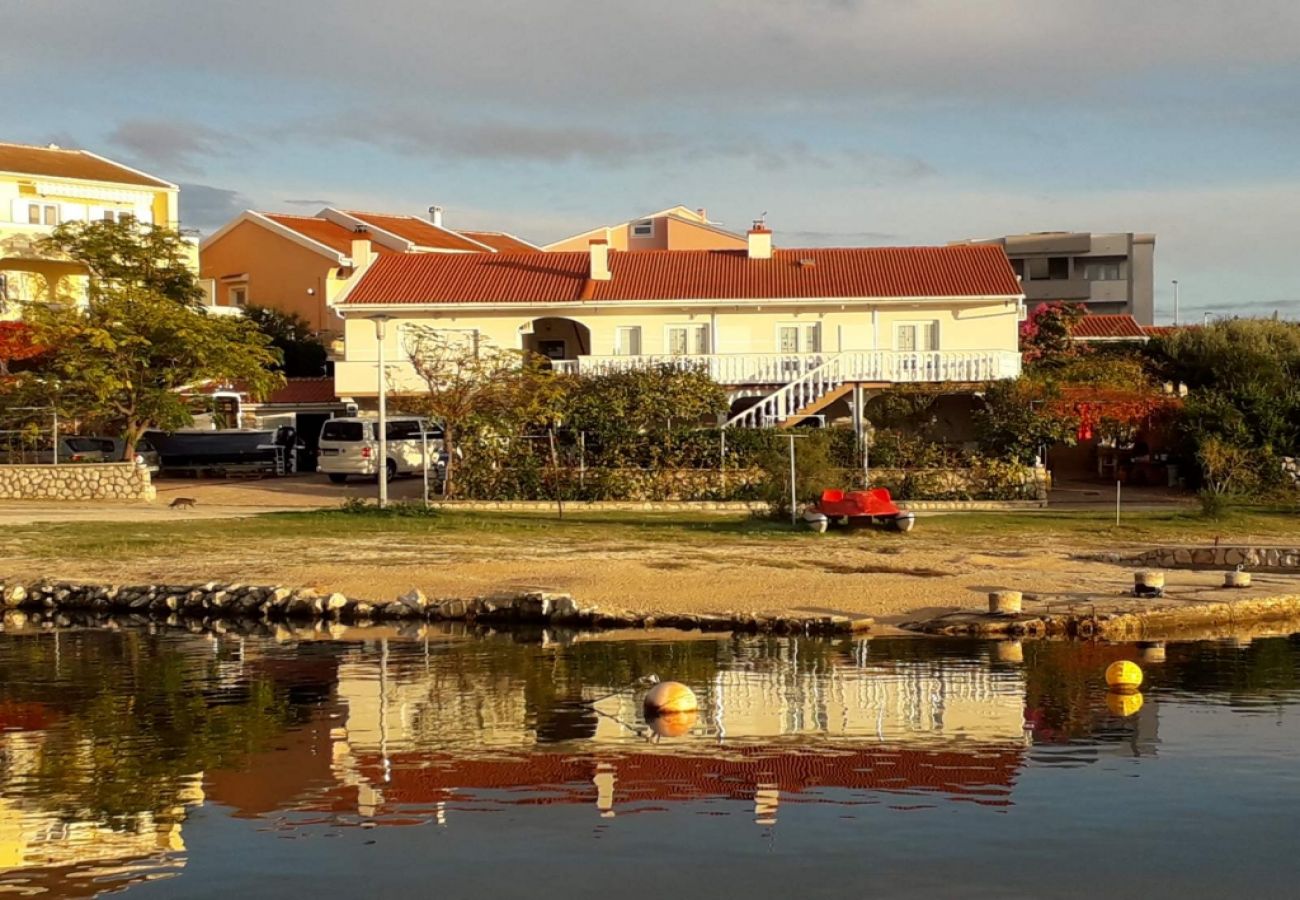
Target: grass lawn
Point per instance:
(976, 530)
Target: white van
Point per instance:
(350, 446)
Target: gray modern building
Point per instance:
(1109, 273)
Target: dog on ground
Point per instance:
(182, 503)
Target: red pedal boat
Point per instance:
(866, 507)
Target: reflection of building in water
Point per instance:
(769, 726)
(902, 702)
(39, 836)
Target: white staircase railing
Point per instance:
(784, 402)
(884, 366)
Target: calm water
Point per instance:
(179, 765)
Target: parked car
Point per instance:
(145, 454)
(72, 449)
(350, 446)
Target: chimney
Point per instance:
(703, 213)
(362, 253)
(600, 261)
(760, 241)
(435, 215)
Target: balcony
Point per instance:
(772, 369)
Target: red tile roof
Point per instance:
(1107, 326)
(323, 231)
(958, 271)
(55, 162)
(417, 231)
(501, 242)
(298, 391)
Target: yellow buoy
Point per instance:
(673, 724)
(670, 697)
(1123, 705)
(1123, 675)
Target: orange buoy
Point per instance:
(673, 724)
(669, 697)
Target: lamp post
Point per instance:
(1176, 316)
(380, 333)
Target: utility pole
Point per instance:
(382, 462)
(1176, 310)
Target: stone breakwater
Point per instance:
(213, 601)
(76, 481)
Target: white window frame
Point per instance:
(621, 334)
(919, 324)
(643, 223)
(801, 333)
(43, 210)
(701, 328)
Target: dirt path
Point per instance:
(757, 576)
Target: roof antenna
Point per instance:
(761, 221)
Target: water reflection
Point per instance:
(110, 739)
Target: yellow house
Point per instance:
(676, 228)
(790, 332)
(41, 187)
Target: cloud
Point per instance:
(207, 208)
(557, 55)
(319, 203)
(167, 144)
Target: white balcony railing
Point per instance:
(889, 366)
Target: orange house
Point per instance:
(677, 228)
(298, 264)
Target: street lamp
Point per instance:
(380, 333)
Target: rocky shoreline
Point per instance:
(217, 602)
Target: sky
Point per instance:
(845, 122)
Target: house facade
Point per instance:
(677, 228)
(42, 187)
(299, 264)
(789, 332)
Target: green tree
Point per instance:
(304, 354)
(130, 254)
(129, 357)
(478, 392)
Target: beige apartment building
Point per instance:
(675, 228)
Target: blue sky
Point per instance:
(846, 121)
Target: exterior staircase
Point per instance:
(819, 387)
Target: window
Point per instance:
(1018, 266)
(42, 214)
(911, 337)
(403, 430)
(238, 296)
(1104, 270)
(688, 340)
(1058, 267)
(337, 430)
(799, 337)
(119, 215)
(644, 228)
(627, 340)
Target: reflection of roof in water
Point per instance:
(984, 775)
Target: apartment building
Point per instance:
(1111, 273)
(43, 186)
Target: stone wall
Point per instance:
(76, 481)
(22, 603)
(1286, 559)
